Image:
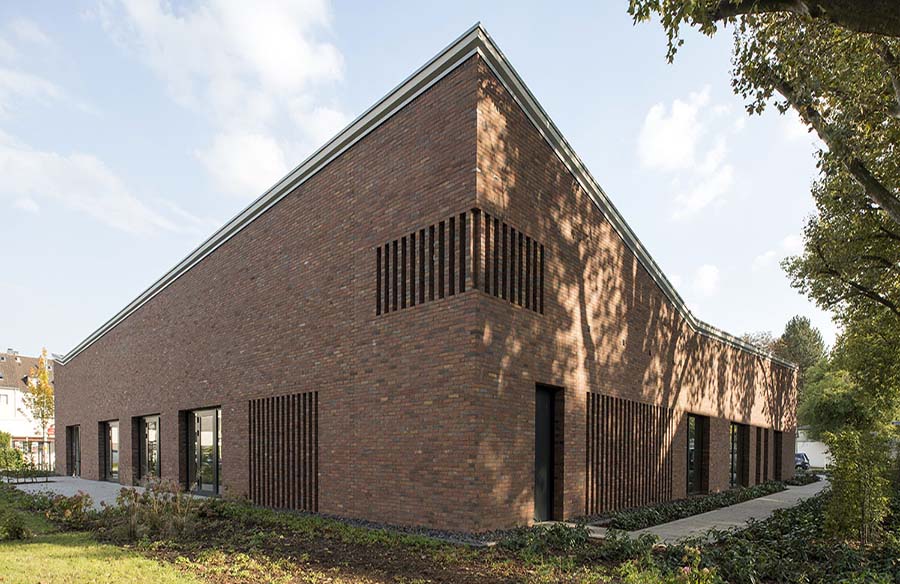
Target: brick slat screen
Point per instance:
(433, 263)
(513, 263)
(628, 460)
(426, 265)
(284, 451)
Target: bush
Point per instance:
(75, 512)
(12, 526)
(642, 517)
(859, 484)
(161, 511)
(802, 477)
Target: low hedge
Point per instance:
(639, 518)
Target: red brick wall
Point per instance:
(288, 306)
(426, 415)
(607, 326)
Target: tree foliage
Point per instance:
(9, 456)
(38, 397)
(859, 483)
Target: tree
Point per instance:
(801, 343)
(762, 339)
(867, 16)
(832, 401)
(10, 458)
(38, 398)
(825, 63)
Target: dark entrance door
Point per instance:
(544, 430)
(74, 441)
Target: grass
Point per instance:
(55, 557)
(52, 558)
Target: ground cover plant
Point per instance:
(224, 541)
(643, 517)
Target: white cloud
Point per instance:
(689, 141)
(78, 181)
(29, 32)
(790, 245)
(16, 85)
(668, 138)
(706, 280)
(245, 65)
(704, 192)
(26, 204)
(241, 163)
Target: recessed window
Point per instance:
(148, 447)
(740, 445)
(109, 459)
(697, 478)
(205, 451)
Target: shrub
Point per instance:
(859, 484)
(802, 477)
(12, 526)
(75, 512)
(543, 540)
(642, 517)
(161, 511)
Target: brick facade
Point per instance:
(426, 413)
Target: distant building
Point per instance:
(15, 417)
(817, 451)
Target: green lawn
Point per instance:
(77, 557)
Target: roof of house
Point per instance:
(474, 41)
(14, 370)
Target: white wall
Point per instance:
(815, 450)
(14, 417)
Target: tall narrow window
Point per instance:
(205, 456)
(73, 451)
(148, 436)
(696, 450)
(740, 448)
(110, 453)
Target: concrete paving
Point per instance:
(735, 516)
(100, 491)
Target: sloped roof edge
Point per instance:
(474, 41)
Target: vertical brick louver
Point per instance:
(284, 451)
(628, 460)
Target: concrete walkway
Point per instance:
(735, 516)
(100, 491)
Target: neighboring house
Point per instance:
(15, 417)
(437, 319)
(817, 451)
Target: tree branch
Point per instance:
(893, 67)
(859, 288)
(869, 16)
(874, 189)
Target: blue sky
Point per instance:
(129, 131)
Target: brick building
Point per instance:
(440, 319)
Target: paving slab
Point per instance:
(100, 491)
(734, 516)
